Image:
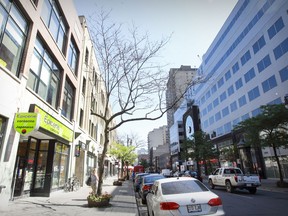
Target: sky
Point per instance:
(193, 24)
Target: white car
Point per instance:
(182, 196)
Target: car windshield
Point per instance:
(178, 187)
(150, 179)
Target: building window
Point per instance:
(223, 96)
(227, 75)
(269, 84)
(230, 90)
(259, 44)
(68, 100)
(84, 86)
(244, 117)
(284, 74)
(44, 75)
(225, 111)
(53, 19)
(233, 106)
(210, 107)
(227, 127)
(211, 120)
(208, 94)
(242, 101)
(215, 102)
(246, 57)
(86, 56)
(253, 94)
(238, 83)
(275, 28)
(213, 89)
(3, 125)
(281, 49)
(13, 33)
(73, 56)
(264, 63)
(217, 116)
(235, 67)
(256, 112)
(81, 117)
(249, 75)
(220, 82)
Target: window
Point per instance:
(44, 75)
(13, 33)
(244, 117)
(275, 28)
(214, 89)
(73, 55)
(215, 102)
(236, 121)
(223, 96)
(68, 100)
(238, 83)
(264, 63)
(220, 82)
(84, 86)
(242, 101)
(3, 125)
(253, 94)
(217, 116)
(208, 94)
(211, 120)
(227, 75)
(230, 90)
(256, 112)
(225, 111)
(235, 67)
(210, 107)
(246, 57)
(233, 106)
(53, 19)
(281, 49)
(227, 127)
(249, 75)
(284, 74)
(269, 84)
(259, 44)
(81, 118)
(86, 56)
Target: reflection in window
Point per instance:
(54, 21)
(13, 32)
(67, 108)
(44, 76)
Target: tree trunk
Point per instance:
(278, 163)
(102, 162)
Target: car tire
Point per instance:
(229, 187)
(211, 185)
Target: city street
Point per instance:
(268, 201)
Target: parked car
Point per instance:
(194, 174)
(232, 178)
(182, 196)
(138, 180)
(147, 182)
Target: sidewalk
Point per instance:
(62, 203)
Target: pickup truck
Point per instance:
(232, 178)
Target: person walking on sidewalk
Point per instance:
(94, 180)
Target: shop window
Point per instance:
(54, 20)
(13, 33)
(44, 76)
(68, 100)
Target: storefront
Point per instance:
(43, 153)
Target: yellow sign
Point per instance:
(54, 126)
(25, 123)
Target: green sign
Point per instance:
(25, 123)
(54, 126)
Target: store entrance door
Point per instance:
(42, 169)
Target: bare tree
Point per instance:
(135, 84)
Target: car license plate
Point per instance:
(194, 208)
(248, 185)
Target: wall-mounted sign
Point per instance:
(25, 123)
(52, 125)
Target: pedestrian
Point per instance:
(94, 180)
